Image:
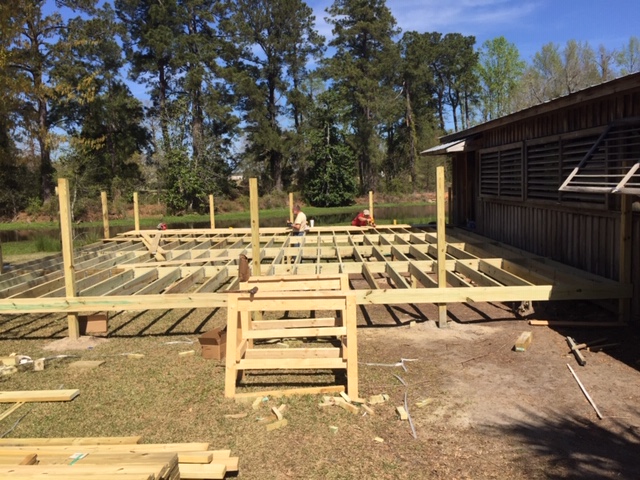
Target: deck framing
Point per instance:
(391, 264)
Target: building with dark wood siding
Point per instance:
(507, 174)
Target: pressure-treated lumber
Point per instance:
(563, 323)
(246, 396)
(134, 439)
(38, 396)
(497, 272)
(20, 459)
(66, 235)
(255, 226)
(212, 215)
(242, 355)
(10, 410)
(105, 214)
(94, 476)
(76, 471)
(194, 471)
(442, 247)
(141, 448)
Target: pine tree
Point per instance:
(365, 59)
(276, 39)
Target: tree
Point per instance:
(97, 109)
(331, 180)
(628, 57)
(459, 64)
(499, 70)
(152, 29)
(605, 59)
(276, 39)
(361, 70)
(556, 72)
(580, 69)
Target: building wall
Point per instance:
(518, 167)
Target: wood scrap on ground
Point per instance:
(523, 342)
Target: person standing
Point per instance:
(299, 225)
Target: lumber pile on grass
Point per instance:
(111, 458)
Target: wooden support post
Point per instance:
(255, 226)
(136, 212)
(350, 318)
(105, 214)
(626, 216)
(442, 244)
(450, 206)
(67, 253)
(211, 213)
(291, 207)
(371, 204)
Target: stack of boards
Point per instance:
(110, 458)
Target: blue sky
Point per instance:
(528, 24)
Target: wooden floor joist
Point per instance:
(200, 267)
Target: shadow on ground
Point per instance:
(577, 448)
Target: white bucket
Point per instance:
(311, 222)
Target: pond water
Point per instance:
(413, 214)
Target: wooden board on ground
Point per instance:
(38, 396)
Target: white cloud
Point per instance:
(471, 17)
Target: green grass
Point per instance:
(231, 216)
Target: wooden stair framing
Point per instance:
(245, 324)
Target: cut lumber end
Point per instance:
(349, 407)
(424, 403)
(402, 413)
(135, 355)
(38, 365)
(345, 397)
(523, 342)
(195, 457)
(236, 415)
(379, 439)
(277, 413)
(368, 409)
(276, 425)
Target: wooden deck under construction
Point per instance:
(147, 270)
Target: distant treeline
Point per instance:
(250, 87)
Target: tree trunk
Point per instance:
(162, 101)
(46, 168)
(412, 139)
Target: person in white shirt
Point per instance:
(299, 225)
